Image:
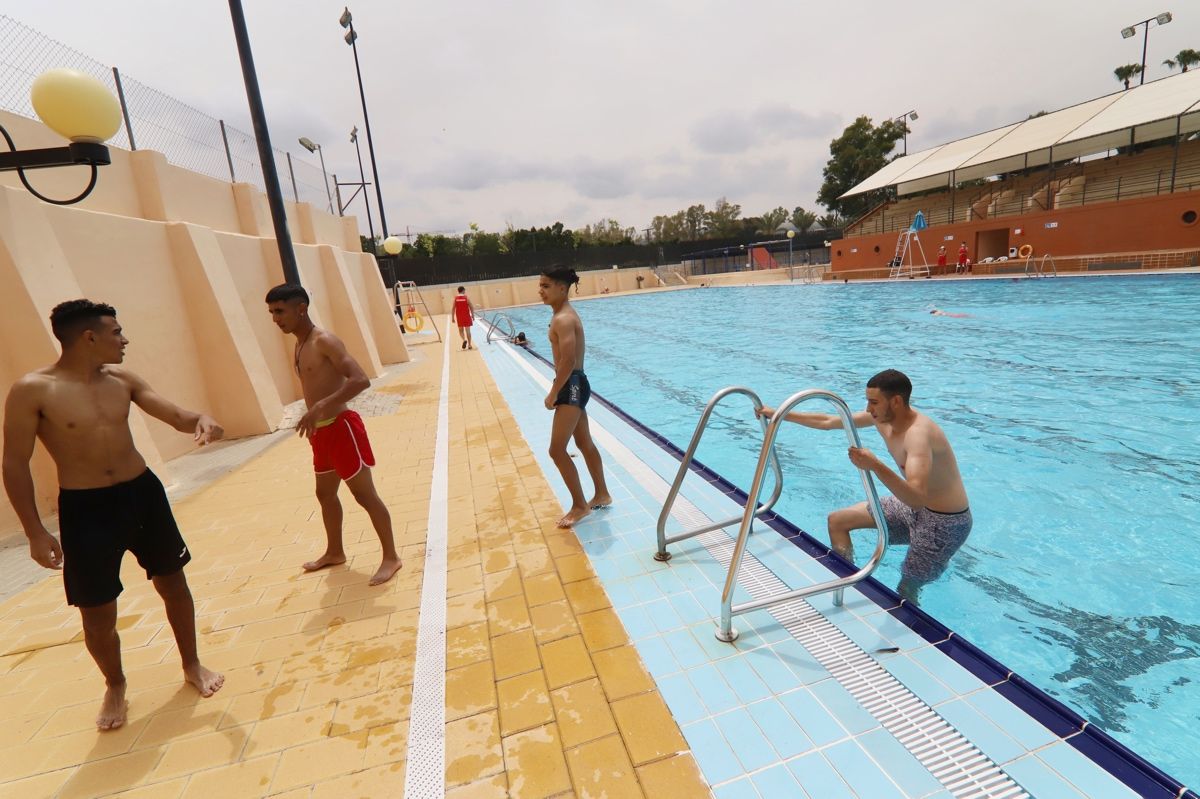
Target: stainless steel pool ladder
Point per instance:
(494, 326)
(663, 539)
(767, 455)
(1038, 268)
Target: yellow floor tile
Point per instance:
(386, 706)
(373, 783)
(37, 787)
(535, 763)
(552, 621)
(320, 760)
(246, 778)
(515, 653)
(473, 748)
(673, 776)
(649, 730)
(524, 703)
(602, 630)
(107, 776)
(345, 685)
(566, 661)
(543, 588)
(202, 752)
(466, 645)
(470, 690)
(288, 730)
(587, 596)
(465, 609)
(582, 712)
(574, 567)
(500, 585)
(622, 673)
(601, 770)
(495, 787)
(507, 615)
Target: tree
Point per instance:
(1127, 73)
(861, 151)
(772, 220)
(1183, 59)
(606, 232)
(722, 220)
(802, 219)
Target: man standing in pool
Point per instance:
(928, 509)
(108, 500)
(569, 396)
(330, 378)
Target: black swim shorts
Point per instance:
(932, 538)
(97, 525)
(576, 392)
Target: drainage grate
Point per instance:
(425, 774)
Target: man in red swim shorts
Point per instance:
(941, 260)
(464, 317)
(341, 452)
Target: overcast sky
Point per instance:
(532, 111)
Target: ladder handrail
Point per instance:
(494, 326)
(1040, 269)
(726, 632)
(661, 554)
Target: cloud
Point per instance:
(736, 130)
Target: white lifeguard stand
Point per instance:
(904, 263)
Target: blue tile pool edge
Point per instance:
(1130, 768)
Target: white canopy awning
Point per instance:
(1156, 110)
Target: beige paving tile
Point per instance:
(39, 786)
(494, 787)
(566, 661)
(373, 783)
(649, 730)
(473, 749)
(673, 776)
(543, 588)
(574, 567)
(587, 596)
(386, 744)
(499, 585)
(507, 615)
(202, 752)
(470, 690)
(288, 730)
(535, 763)
(602, 629)
(622, 673)
(601, 770)
(552, 621)
(515, 653)
(524, 703)
(583, 712)
(388, 705)
(245, 778)
(108, 776)
(466, 645)
(318, 761)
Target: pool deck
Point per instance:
(508, 658)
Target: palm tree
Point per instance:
(1127, 73)
(1183, 59)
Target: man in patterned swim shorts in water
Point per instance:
(928, 509)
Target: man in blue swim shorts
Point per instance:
(928, 509)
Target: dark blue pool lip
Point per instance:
(1127, 766)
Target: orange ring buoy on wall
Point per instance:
(413, 322)
(1025, 251)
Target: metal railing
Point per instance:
(494, 326)
(661, 553)
(1038, 268)
(725, 631)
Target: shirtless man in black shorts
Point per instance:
(108, 500)
(569, 395)
(929, 510)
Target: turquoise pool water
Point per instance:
(1072, 407)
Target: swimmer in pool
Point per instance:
(928, 509)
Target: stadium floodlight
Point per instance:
(903, 120)
(1131, 31)
(312, 147)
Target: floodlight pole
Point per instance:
(283, 239)
(351, 39)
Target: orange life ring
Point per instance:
(1025, 251)
(413, 322)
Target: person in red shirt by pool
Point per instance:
(964, 262)
(464, 317)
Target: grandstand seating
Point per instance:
(1110, 179)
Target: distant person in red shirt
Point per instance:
(941, 262)
(464, 317)
(964, 263)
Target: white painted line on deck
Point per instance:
(425, 775)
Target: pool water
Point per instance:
(1071, 404)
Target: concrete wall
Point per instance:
(1137, 225)
(187, 261)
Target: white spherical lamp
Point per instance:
(76, 105)
(392, 245)
(791, 234)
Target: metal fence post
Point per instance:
(337, 190)
(228, 157)
(124, 107)
(291, 172)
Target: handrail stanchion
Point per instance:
(494, 325)
(662, 554)
(726, 632)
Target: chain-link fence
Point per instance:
(153, 121)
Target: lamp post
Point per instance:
(1131, 31)
(283, 239)
(362, 178)
(347, 21)
(903, 120)
(77, 107)
(308, 144)
(791, 234)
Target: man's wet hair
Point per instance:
(287, 292)
(69, 319)
(462, 289)
(562, 274)
(892, 382)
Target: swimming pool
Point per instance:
(1068, 403)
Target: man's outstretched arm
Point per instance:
(820, 421)
(204, 428)
(20, 431)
